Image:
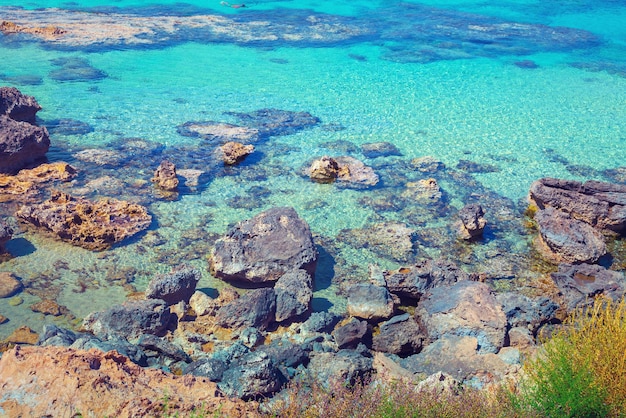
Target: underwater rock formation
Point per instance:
(218, 132)
(324, 170)
(21, 141)
(92, 225)
(264, 248)
(9, 284)
(389, 239)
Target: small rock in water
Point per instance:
(9, 285)
(324, 170)
(165, 176)
(235, 152)
(472, 221)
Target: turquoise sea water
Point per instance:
(449, 93)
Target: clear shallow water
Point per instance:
(558, 120)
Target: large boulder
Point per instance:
(130, 320)
(599, 204)
(252, 376)
(294, 292)
(579, 284)
(465, 308)
(256, 308)
(566, 239)
(412, 282)
(388, 239)
(92, 225)
(264, 248)
(179, 285)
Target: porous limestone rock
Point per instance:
(235, 152)
(165, 176)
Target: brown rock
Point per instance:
(47, 307)
(22, 335)
(235, 152)
(46, 32)
(423, 191)
(165, 176)
(59, 381)
(27, 180)
(348, 171)
(9, 284)
(92, 225)
(324, 170)
(3, 319)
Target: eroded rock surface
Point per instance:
(21, 143)
(579, 284)
(92, 225)
(235, 152)
(412, 282)
(165, 176)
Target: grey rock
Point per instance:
(178, 285)
(264, 248)
(565, 239)
(162, 347)
(345, 367)
(53, 335)
(350, 334)
(523, 311)
(412, 282)
(294, 292)
(580, 283)
(389, 239)
(211, 368)
(370, 302)
(253, 376)
(320, 322)
(6, 233)
(400, 335)
(466, 308)
(18, 106)
(256, 308)
(134, 353)
(21, 143)
(472, 221)
(130, 320)
(379, 149)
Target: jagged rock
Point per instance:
(565, 239)
(56, 336)
(294, 292)
(412, 282)
(400, 335)
(257, 308)
(345, 366)
(18, 106)
(285, 355)
(370, 302)
(130, 320)
(351, 333)
(465, 308)
(235, 152)
(202, 304)
(324, 170)
(178, 285)
(21, 143)
(9, 284)
(388, 239)
(26, 181)
(319, 322)
(165, 176)
(133, 352)
(599, 204)
(253, 376)
(92, 225)
(59, 381)
(579, 284)
(440, 383)
(458, 357)
(6, 233)
(379, 149)
(523, 311)
(264, 248)
(472, 221)
(353, 173)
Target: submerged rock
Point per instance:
(388, 239)
(272, 122)
(219, 132)
(92, 225)
(264, 248)
(379, 149)
(9, 284)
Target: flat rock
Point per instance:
(294, 292)
(219, 132)
(412, 282)
(464, 308)
(264, 248)
(579, 284)
(273, 122)
(9, 284)
(379, 149)
(176, 286)
(368, 301)
(565, 239)
(256, 308)
(130, 320)
(92, 225)
(60, 381)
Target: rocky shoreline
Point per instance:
(260, 330)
